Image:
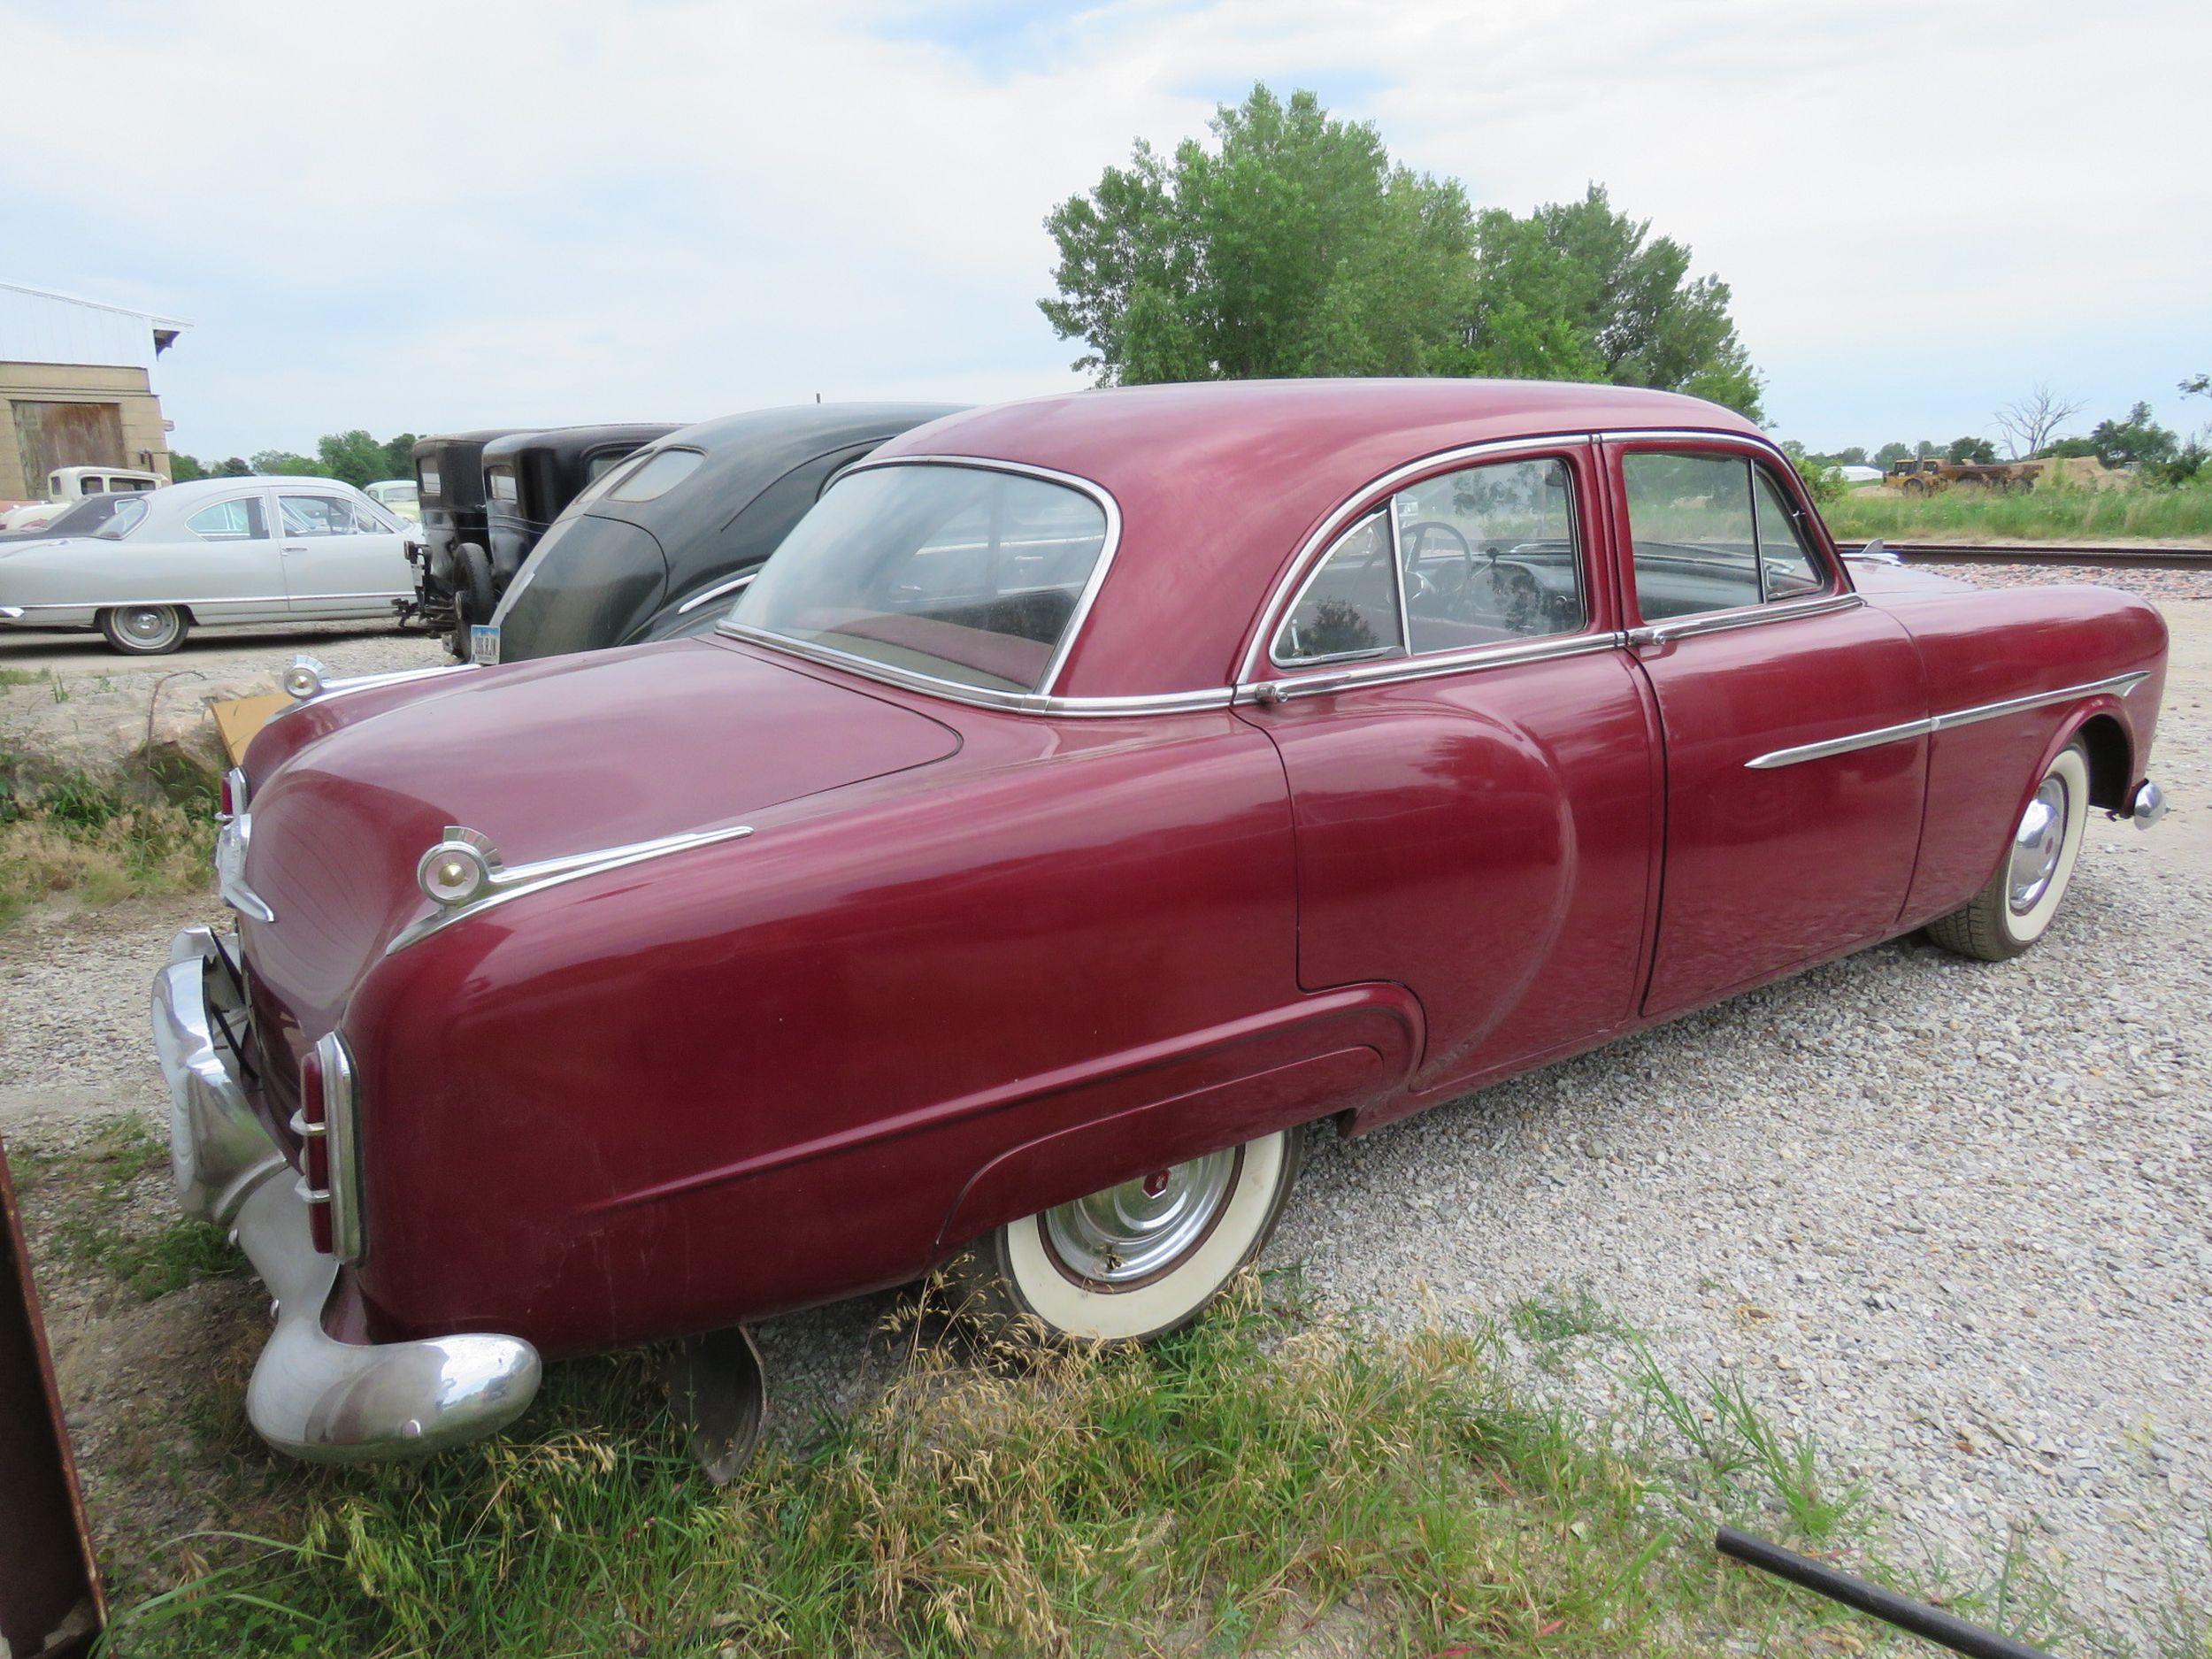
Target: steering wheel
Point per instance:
(1411, 538)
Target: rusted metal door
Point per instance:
(50, 434)
(51, 1604)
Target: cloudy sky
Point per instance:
(416, 215)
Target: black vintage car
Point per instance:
(529, 477)
(660, 545)
(449, 489)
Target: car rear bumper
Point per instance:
(311, 1395)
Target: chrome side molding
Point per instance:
(463, 875)
(2117, 685)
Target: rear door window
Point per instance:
(1712, 533)
(239, 521)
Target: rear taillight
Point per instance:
(234, 801)
(330, 1180)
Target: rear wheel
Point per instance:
(1136, 1260)
(145, 630)
(2017, 908)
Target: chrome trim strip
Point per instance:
(14, 613)
(979, 697)
(305, 678)
(520, 880)
(1326, 534)
(341, 1147)
(1110, 546)
(2118, 685)
(205, 599)
(1401, 668)
(1741, 617)
(717, 591)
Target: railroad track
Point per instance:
(2154, 559)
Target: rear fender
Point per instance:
(1358, 1047)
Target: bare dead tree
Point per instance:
(2031, 422)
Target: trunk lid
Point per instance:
(549, 759)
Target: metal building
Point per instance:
(76, 387)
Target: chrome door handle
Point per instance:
(294, 547)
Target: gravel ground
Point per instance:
(1946, 1216)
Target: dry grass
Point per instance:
(101, 840)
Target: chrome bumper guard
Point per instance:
(311, 1395)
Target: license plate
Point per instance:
(484, 643)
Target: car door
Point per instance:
(1471, 759)
(1757, 653)
(222, 558)
(341, 557)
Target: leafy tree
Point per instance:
(2197, 385)
(183, 469)
(2138, 439)
(351, 457)
(1974, 451)
(1823, 482)
(1889, 452)
(1579, 291)
(399, 457)
(1851, 455)
(283, 464)
(1298, 248)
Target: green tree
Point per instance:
(1296, 247)
(399, 457)
(1977, 452)
(283, 463)
(1579, 291)
(184, 469)
(2137, 440)
(2197, 385)
(1889, 452)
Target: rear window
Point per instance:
(661, 473)
(962, 573)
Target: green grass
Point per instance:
(1261, 1481)
(148, 829)
(23, 676)
(2045, 513)
(94, 1232)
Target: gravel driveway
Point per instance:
(1949, 1216)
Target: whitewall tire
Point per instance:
(145, 630)
(1136, 1260)
(2018, 906)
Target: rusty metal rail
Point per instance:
(2166, 558)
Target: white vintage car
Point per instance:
(221, 549)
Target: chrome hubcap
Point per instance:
(2036, 846)
(1140, 1228)
(147, 628)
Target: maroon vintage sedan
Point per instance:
(1091, 795)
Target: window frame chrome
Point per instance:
(1302, 566)
(961, 690)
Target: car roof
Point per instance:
(1219, 483)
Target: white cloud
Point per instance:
(574, 212)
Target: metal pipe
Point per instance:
(1916, 1617)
